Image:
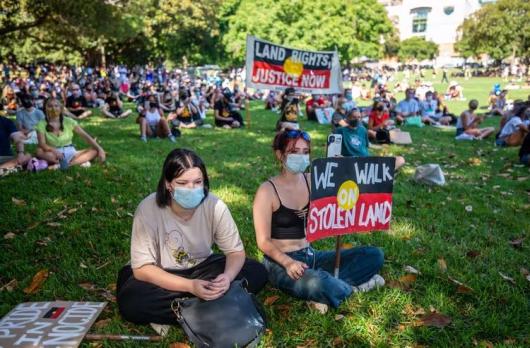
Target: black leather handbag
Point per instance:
(234, 320)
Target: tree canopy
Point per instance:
(417, 48)
(500, 29)
(192, 31)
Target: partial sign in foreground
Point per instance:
(48, 324)
(271, 66)
(349, 195)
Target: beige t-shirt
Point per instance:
(161, 238)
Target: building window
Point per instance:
(419, 19)
(449, 9)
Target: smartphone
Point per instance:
(334, 145)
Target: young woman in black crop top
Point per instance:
(280, 210)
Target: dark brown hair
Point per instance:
(49, 128)
(176, 163)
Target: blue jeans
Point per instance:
(357, 266)
(525, 159)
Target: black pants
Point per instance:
(142, 302)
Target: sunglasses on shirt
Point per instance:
(294, 133)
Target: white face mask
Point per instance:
(297, 163)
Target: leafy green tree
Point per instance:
(417, 48)
(500, 29)
(354, 28)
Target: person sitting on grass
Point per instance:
(288, 111)
(379, 119)
(515, 129)
(55, 134)
(113, 107)
(355, 139)
(173, 232)
(467, 124)
(76, 103)
(27, 118)
(316, 102)
(224, 116)
(280, 213)
(338, 119)
(9, 133)
(524, 151)
(409, 107)
(9, 100)
(153, 123)
(187, 114)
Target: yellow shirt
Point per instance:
(64, 138)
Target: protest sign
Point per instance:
(48, 324)
(275, 67)
(350, 195)
(324, 115)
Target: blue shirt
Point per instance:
(7, 127)
(354, 141)
(408, 106)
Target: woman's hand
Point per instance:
(221, 283)
(204, 289)
(295, 269)
(58, 154)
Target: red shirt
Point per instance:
(377, 121)
(311, 101)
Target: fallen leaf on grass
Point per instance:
(475, 161)
(461, 287)
(87, 286)
(473, 253)
(9, 235)
(284, 310)
(102, 323)
(404, 282)
(310, 343)
(442, 265)
(338, 342)
(508, 279)
(517, 243)
(113, 200)
(522, 178)
(525, 273)
(44, 241)
(339, 317)
(410, 269)
(179, 345)
(18, 202)
(53, 224)
(271, 299)
(9, 287)
(37, 281)
(435, 319)
(485, 344)
(82, 265)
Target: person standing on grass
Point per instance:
(171, 246)
(280, 214)
(468, 123)
(55, 134)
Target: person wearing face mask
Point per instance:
(55, 134)
(27, 118)
(153, 123)
(280, 216)
(355, 139)
(409, 107)
(77, 104)
(173, 233)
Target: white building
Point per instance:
(435, 20)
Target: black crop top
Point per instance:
(288, 223)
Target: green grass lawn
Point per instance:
(89, 241)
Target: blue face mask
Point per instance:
(188, 198)
(297, 163)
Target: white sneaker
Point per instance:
(85, 164)
(160, 329)
(172, 139)
(375, 282)
(144, 139)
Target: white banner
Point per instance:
(275, 67)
